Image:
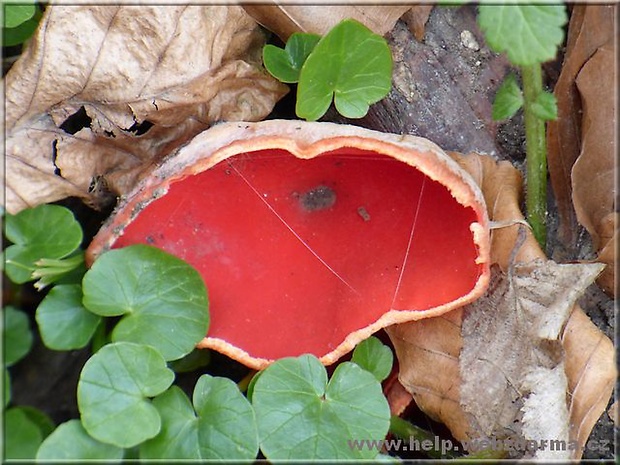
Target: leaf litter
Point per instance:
(511, 343)
(479, 370)
(179, 68)
(581, 142)
(581, 353)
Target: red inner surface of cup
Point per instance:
(296, 254)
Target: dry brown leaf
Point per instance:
(591, 26)
(416, 18)
(428, 351)
(593, 174)
(428, 357)
(397, 396)
(284, 20)
(181, 68)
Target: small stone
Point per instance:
(469, 41)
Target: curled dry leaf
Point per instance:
(178, 68)
(284, 20)
(591, 26)
(586, 355)
(415, 19)
(593, 174)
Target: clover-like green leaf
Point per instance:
(285, 64)
(19, 34)
(70, 441)
(163, 299)
(508, 99)
(22, 436)
(178, 437)
(63, 321)
(227, 425)
(374, 356)
(351, 64)
(528, 34)
(16, 14)
(114, 390)
(545, 106)
(301, 416)
(17, 335)
(219, 426)
(46, 231)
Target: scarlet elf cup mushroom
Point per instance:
(311, 236)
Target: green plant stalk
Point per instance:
(536, 154)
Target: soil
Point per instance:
(443, 89)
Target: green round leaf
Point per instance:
(508, 99)
(178, 437)
(63, 321)
(301, 416)
(351, 64)
(114, 390)
(528, 34)
(15, 14)
(17, 335)
(226, 424)
(163, 299)
(18, 35)
(71, 442)
(39, 418)
(374, 356)
(22, 435)
(223, 429)
(46, 231)
(285, 64)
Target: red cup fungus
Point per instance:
(311, 236)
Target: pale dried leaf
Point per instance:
(428, 350)
(613, 413)
(594, 172)
(284, 20)
(181, 68)
(545, 415)
(591, 26)
(510, 335)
